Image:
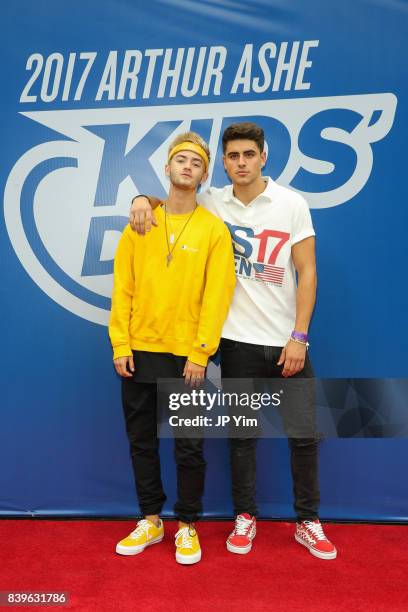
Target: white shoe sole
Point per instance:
(239, 550)
(188, 559)
(135, 550)
(316, 553)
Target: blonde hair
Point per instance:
(190, 137)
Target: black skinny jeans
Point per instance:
(139, 400)
(244, 360)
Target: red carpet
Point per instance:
(370, 573)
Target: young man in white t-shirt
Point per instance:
(266, 331)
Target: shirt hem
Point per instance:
(176, 347)
(271, 342)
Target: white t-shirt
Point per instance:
(263, 309)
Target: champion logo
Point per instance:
(185, 247)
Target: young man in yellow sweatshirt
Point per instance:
(172, 291)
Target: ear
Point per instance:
(223, 161)
(263, 158)
(167, 169)
(204, 178)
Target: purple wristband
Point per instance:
(299, 336)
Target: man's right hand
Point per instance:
(121, 366)
(141, 216)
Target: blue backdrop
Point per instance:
(91, 93)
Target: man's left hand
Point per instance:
(293, 357)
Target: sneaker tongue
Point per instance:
(246, 516)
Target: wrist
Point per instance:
(299, 335)
(141, 195)
(305, 344)
(300, 338)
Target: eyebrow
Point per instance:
(246, 151)
(194, 158)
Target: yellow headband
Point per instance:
(190, 146)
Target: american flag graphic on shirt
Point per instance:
(269, 274)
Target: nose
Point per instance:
(242, 160)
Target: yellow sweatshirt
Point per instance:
(179, 308)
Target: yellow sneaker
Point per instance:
(188, 549)
(145, 534)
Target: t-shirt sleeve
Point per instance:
(302, 225)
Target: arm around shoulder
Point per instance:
(141, 215)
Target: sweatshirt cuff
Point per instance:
(123, 350)
(199, 358)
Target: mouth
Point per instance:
(186, 175)
(242, 173)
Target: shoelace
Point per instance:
(186, 538)
(142, 527)
(242, 525)
(316, 529)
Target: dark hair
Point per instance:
(244, 131)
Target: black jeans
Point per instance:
(243, 360)
(139, 400)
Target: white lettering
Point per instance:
(214, 70)
(243, 75)
(170, 73)
(108, 80)
(129, 74)
(256, 86)
(304, 64)
(152, 54)
(283, 66)
(185, 91)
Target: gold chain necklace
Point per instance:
(169, 255)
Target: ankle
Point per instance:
(181, 525)
(153, 519)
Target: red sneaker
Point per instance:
(240, 540)
(311, 535)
